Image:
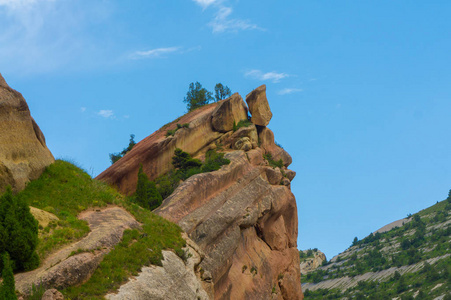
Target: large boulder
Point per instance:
(259, 106)
(228, 112)
(23, 151)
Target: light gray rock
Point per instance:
(174, 280)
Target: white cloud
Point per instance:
(153, 53)
(288, 91)
(82, 109)
(222, 22)
(106, 113)
(273, 76)
(205, 3)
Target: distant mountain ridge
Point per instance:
(406, 259)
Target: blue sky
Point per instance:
(360, 90)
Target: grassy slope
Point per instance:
(412, 243)
(66, 190)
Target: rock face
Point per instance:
(23, 152)
(242, 217)
(312, 263)
(259, 107)
(176, 279)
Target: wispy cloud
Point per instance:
(38, 36)
(272, 76)
(206, 3)
(153, 53)
(222, 20)
(82, 109)
(288, 91)
(106, 113)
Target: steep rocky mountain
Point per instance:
(243, 217)
(23, 152)
(227, 233)
(407, 259)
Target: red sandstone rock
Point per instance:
(240, 216)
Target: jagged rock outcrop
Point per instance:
(312, 263)
(243, 216)
(23, 151)
(259, 106)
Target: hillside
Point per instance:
(94, 237)
(409, 261)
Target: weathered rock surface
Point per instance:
(259, 106)
(312, 263)
(52, 294)
(241, 216)
(176, 280)
(228, 112)
(23, 152)
(63, 269)
(245, 225)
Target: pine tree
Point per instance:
(146, 194)
(221, 92)
(197, 96)
(18, 232)
(8, 287)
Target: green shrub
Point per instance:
(7, 287)
(272, 162)
(241, 123)
(18, 232)
(146, 194)
(213, 161)
(114, 157)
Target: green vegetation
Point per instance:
(221, 92)
(198, 96)
(7, 287)
(272, 162)
(241, 123)
(146, 194)
(138, 248)
(173, 131)
(405, 286)
(18, 233)
(425, 236)
(114, 157)
(65, 190)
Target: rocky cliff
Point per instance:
(23, 152)
(243, 217)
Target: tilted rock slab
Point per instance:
(23, 151)
(259, 106)
(175, 280)
(61, 269)
(243, 217)
(246, 226)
